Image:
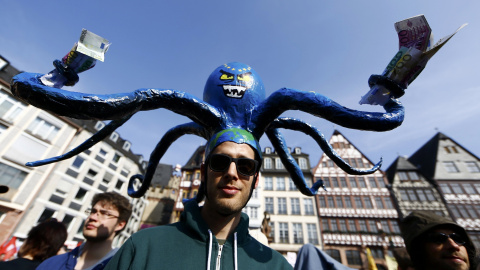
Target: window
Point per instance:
(411, 195)
(360, 163)
(302, 162)
(368, 202)
(403, 195)
(353, 162)
(330, 163)
(295, 202)
(291, 184)
(361, 182)
(278, 164)
(46, 214)
(334, 182)
(339, 201)
(402, 176)
(456, 188)
(80, 194)
(116, 158)
(2, 129)
(283, 232)
(385, 226)
(472, 166)
(450, 166)
(333, 225)
(11, 177)
(267, 163)
(297, 233)
(343, 182)
(114, 137)
(388, 202)
(308, 204)
(377, 253)
(353, 257)
(325, 225)
(342, 225)
(269, 205)
(268, 150)
(282, 206)
(358, 202)
(445, 188)
(469, 189)
(379, 203)
(67, 220)
(126, 146)
(351, 225)
(326, 182)
(77, 163)
(119, 185)
(43, 129)
(268, 183)
(413, 176)
(321, 202)
(353, 182)
(348, 202)
(395, 227)
(421, 195)
(99, 125)
(107, 178)
(61, 190)
(334, 253)
(10, 108)
(363, 225)
(312, 233)
(331, 204)
(373, 183)
(280, 183)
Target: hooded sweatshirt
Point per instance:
(417, 223)
(189, 244)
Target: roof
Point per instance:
(162, 175)
(195, 161)
(400, 164)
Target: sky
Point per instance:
(330, 47)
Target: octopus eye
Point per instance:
(226, 77)
(247, 78)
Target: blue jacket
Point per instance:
(67, 261)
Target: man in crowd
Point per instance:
(108, 216)
(214, 236)
(437, 243)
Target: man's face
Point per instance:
(102, 223)
(447, 255)
(229, 191)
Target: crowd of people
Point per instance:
(215, 235)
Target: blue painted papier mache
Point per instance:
(234, 107)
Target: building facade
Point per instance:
(356, 212)
(293, 216)
(456, 171)
(60, 190)
(410, 190)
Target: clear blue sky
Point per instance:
(330, 47)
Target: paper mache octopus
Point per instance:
(233, 98)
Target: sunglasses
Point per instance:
(245, 166)
(441, 238)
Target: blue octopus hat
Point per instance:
(236, 135)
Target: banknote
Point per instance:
(415, 49)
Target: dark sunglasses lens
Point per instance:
(438, 238)
(458, 239)
(219, 163)
(246, 166)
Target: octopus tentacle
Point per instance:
(321, 106)
(27, 87)
(276, 138)
(298, 125)
(96, 138)
(170, 136)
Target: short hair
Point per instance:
(118, 201)
(44, 240)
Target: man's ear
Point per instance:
(120, 225)
(257, 176)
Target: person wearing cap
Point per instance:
(437, 243)
(214, 236)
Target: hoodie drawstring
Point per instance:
(209, 249)
(210, 237)
(235, 249)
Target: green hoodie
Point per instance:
(189, 244)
